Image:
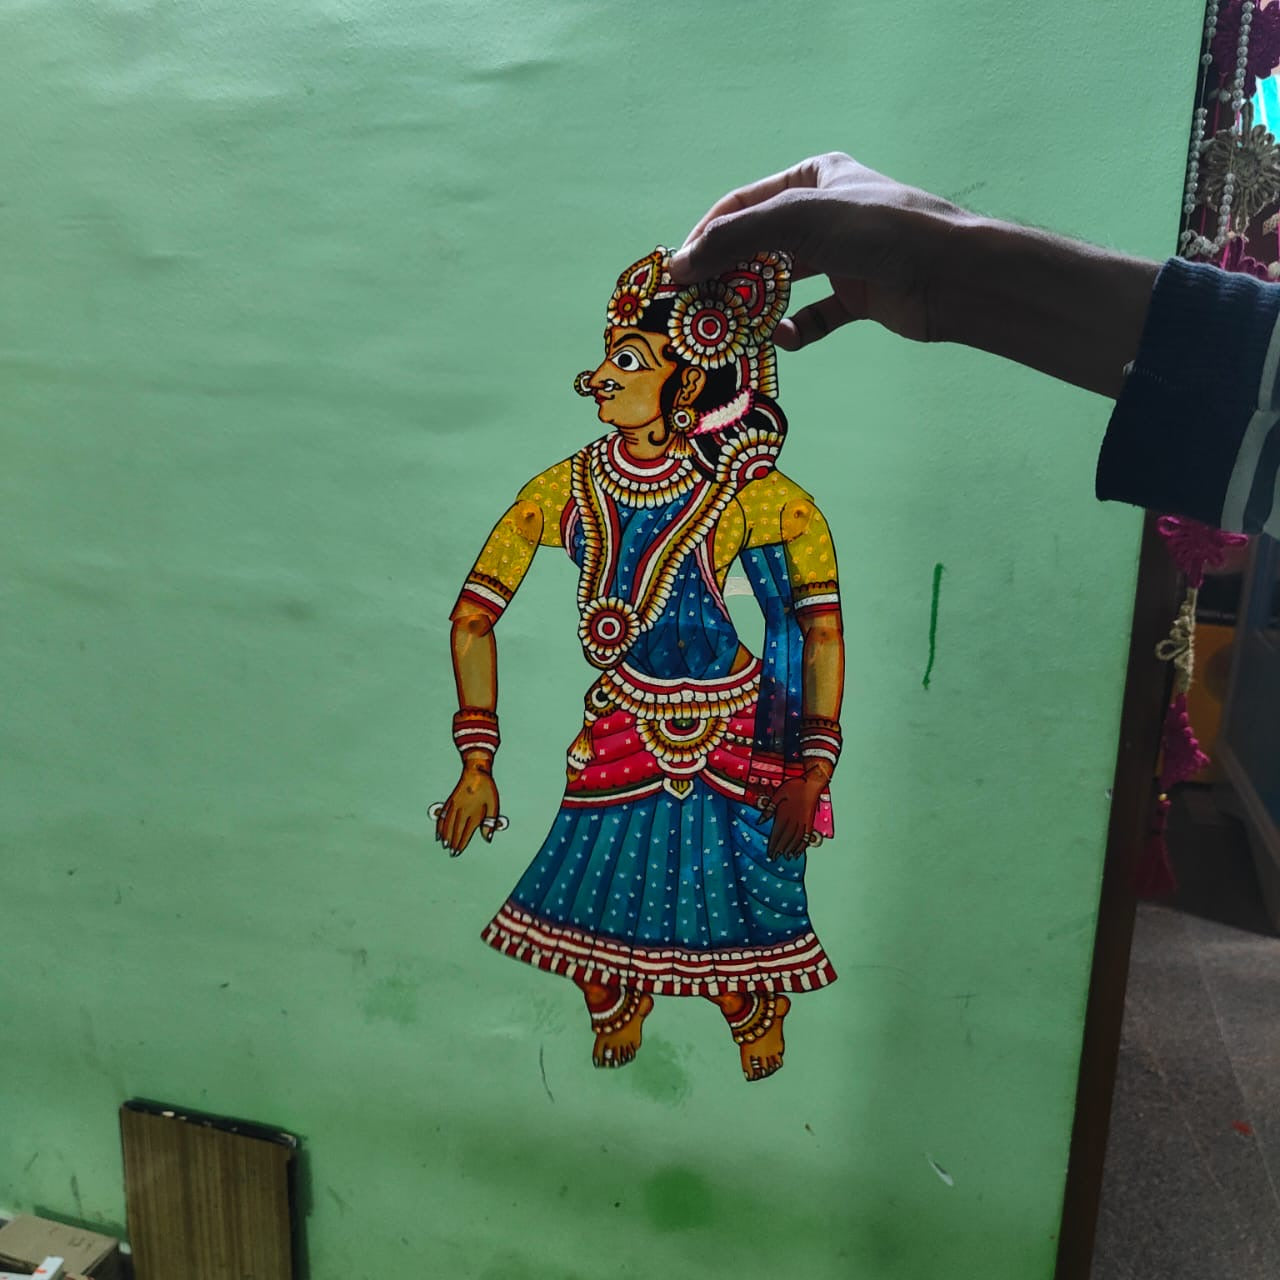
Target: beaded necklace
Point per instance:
(639, 482)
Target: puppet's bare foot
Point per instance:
(755, 1018)
(618, 1027)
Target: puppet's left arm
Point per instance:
(815, 593)
(777, 511)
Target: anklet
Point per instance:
(756, 1019)
(609, 1021)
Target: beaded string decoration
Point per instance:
(1233, 175)
(1233, 165)
(1194, 548)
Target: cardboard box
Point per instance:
(27, 1241)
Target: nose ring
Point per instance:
(582, 383)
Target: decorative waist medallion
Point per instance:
(681, 743)
(678, 722)
(608, 628)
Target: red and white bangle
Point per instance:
(475, 729)
(820, 739)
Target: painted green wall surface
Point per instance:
(293, 296)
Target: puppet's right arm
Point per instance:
(532, 521)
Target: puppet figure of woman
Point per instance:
(675, 866)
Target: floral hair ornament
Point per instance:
(725, 322)
(636, 287)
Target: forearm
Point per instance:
(475, 661)
(823, 668)
(822, 690)
(1068, 309)
(475, 674)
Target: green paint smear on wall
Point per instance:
(293, 298)
(938, 570)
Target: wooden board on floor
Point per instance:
(208, 1198)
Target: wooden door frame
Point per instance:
(1146, 691)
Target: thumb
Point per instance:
(813, 322)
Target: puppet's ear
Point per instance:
(764, 285)
(692, 381)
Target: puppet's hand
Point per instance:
(881, 244)
(795, 804)
(474, 800)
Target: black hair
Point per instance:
(718, 388)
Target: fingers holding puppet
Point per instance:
(881, 245)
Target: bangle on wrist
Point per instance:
(475, 734)
(820, 741)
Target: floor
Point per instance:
(1193, 1165)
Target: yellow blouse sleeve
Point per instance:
(778, 511)
(533, 520)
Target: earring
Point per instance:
(582, 383)
(680, 422)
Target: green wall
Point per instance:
(292, 298)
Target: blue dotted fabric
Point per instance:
(694, 637)
(662, 871)
(781, 694)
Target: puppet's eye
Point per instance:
(627, 360)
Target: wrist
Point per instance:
(820, 745)
(1067, 308)
(475, 735)
(817, 773)
(930, 228)
(972, 273)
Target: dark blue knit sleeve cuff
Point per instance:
(1195, 429)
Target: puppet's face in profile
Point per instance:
(717, 327)
(628, 383)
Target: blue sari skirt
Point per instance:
(661, 888)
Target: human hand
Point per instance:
(794, 805)
(473, 801)
(878, 242)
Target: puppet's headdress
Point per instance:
(725, 321)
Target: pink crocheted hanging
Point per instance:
(1183, 756)
(1193, 547)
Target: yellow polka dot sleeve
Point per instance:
(533, 520)
(811, 559)
(777, 510)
